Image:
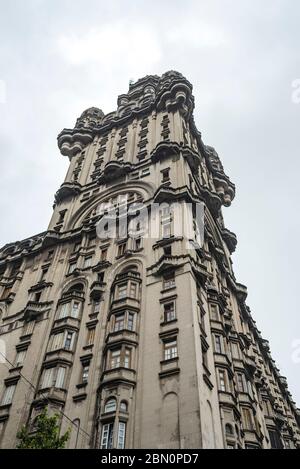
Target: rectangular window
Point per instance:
(165, 175)
(218, 344)
(169, 311)
(96, 307)
(91, 336)
(119, 322)
(60, 377)
(122, 249)
(170, 350)
(130, 322)
(48, 378)
(121, 435)
(235, 350)
(115, 359)
(127, 358)
(64, 310)
(87, 262)
(222, 381)
(85, 373)
(247, 419)
(214, 313)
(57, 341)
(20, 357)
(72, 267)
(240, 381)
(133, 290)
(28, 327)
(122, 291)
(166, 230)
(103, 255)
(68, 342)
(167, 251)
(8, 394)
(169, 281)
(107, 436)
(137, 244)
(75, 309)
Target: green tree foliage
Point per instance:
(45, 436)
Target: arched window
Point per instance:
(229, 430)
(111, 405)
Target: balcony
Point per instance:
(4, 412)
(60, 355)
(34, 309)
(125, 302)
(97, 290)
(118, 374)
(122, 335)
(58, 395)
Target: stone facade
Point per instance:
(143, 343)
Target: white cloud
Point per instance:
(111, 45)
(197, 34)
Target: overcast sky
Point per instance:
(58, 57)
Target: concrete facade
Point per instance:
(143, 344)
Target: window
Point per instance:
(235, 350)
(122, 249)
(68, 342)
(137, 244)
(166, 230)
(103, 255)
(169, 281)
(218, 344)
(247, 419)
(127, 357)
(85, 373)
(170, 350)
(122, 291)
(50, 255)
(8, 394)
(167, 251)
(64, 310)
(119, 322)
(37, 297)
(91, 336)
(107, 436)
(72, 267)
(169, 311)
(75, 309)
(121, 435)
(60, 377)
(133, 290)
(123, 406)
(53, 377)
(88, 262)
(43, 274)
(275, 439)
(240, 381)
(214, 313)
(229, 430)
(165, 175)
(222, 380)
(28, 328)
(20, 357)
(115, 358)
(77, 246)
(130, 321)
(111, 405)
(96, 307)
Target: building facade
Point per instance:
(138, 341)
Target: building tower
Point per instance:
(137, 342)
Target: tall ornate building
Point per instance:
(137, 342)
